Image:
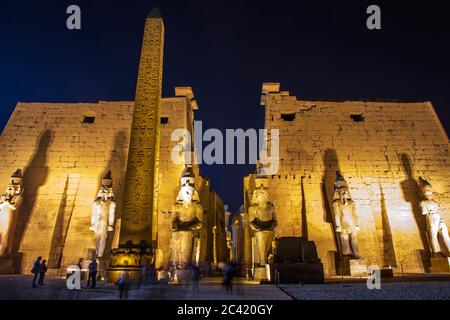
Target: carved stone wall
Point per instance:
(63, 156)
(381, 148)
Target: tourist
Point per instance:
(42, 271)
(228, 277)
(122, 284)
(36, 269)
(195, 277)
(80, 266)
(92, 269)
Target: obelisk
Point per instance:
(140, 196)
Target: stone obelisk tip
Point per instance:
(155, 14)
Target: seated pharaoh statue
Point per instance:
(345, 218)
(262, 219)
(188, 217)
(103, 214)
(9, 203)
(435, 223)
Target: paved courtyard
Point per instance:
(19, 287)
(359, 291)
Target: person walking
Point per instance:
(35, 270)
(42, 271)
(92, 277)
(80, 267)
(228, 277)
(195, 277)
(122, 284)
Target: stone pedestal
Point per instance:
(262, 274)
(7, 265)
(295, 273)
(134, 275)
(352, 267)
(440, 265)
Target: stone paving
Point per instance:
(19, 288)
(359, 291)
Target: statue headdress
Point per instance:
(107, 180)
(16, 177)
(340, 184)
(107, 183)
(261, 182)
(261, 179)
(424, 185)
(340, 181)
(188, 179)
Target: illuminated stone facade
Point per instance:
(381, 148)
(64, 150)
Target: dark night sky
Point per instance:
(225, 50)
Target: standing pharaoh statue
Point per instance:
(345, 218)
(262, 219)
(9, 203)
(435, 223)
(188, 217)
(103, 214)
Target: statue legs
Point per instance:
(354, 243)
(185, 247)
(5, 226)
(436, 227)
(445, 236)
(174, 252)
(101, 243)
(349, 243)
(181, 248)
(345, 244)
(264, 244)
(3, 244)
(433, 230)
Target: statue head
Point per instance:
(106, 191)
(261, 196)
(426, 189)
(15, 184)
(188, 193)
(107, 180)
(341, 189)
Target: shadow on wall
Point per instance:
(304, 212)
(411, 194)
(34, 177)
(117, 163)
(389, 258)
(59, 232)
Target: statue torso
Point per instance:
(345, 212)
(431, 209)
(103, 211)
(263, 212)
(186, 213)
